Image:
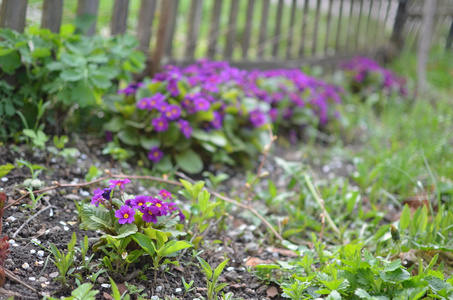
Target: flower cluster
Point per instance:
(200, 97)
(149, 208)
(367, 76)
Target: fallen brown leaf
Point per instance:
(254, 261)
(272, 292)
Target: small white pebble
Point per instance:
(229, 269)
(36, 241)
(11, 241)
(25, 266)
(178, 290)
(15, 245)
(159, 289)
(32, 278)
(11, 219)
(252, 227)
(32, 251)
(4, 179)
(155, 298)
(105, 285)
(84, 193)
(219, 249)
(62, 222)
(242, 269)
(66, 228)
(83, 156)
(41, 253)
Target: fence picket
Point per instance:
(118, 23)
(291, 29)
(90, 8)
(337, 39)
(329, 21)
(145, 23)
(248, 28)
(304, 29)
(278, 27)
(263, 29)
(315, 32)
(13, 14)
(52, 12)
(231, 34)
(214, 30)
(196, 10)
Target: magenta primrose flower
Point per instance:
(139, 202)
(150, 213)
(118, 183)
(185, 128)
(155, 154)
(172, 207)
(257, 118)
(160, 124)
(165, 194)
(201, 105)
(162, 206)
(100, 196)
(125, 214)
(173, 112)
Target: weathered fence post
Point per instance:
(89, 7)
(13, 14)
(214, 30)
(52, 12)
(118, 23)
(449, 38)
(196, 10)
(167, 7)
(424, 42)
(401, 15)
(145, 23)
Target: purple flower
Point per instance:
(162, 206)
(201, 104)
(160, 124)
(118, 183)
(273, 113)
(172, 207)
(257, 118)
(139, 202)
(97, 198)
(155, 154)
(216, 123)
(165, 194)
(185, 128)
(125, 214)
(172, 112)
(150, 214)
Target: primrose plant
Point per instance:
(134, 227)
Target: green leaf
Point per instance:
(10, 62)
(149, 142)
(189, 161)
(145, 242)
(73, 60)
(40, 53)
(219, 269)
(172, 247)
(206, 268)
(129, 137)
(71, 74)
(100, 81)
(405, 218)
(83, 94)
(116, 292)
(115, 124)
(124, 230)
(84, 292)
(5, 169)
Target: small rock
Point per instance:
(252, 247)
(155, 298)
(106, 285)
(55, 229)
(25, 266)
(65, 228)
(41, 253)
(9, 263)
(249, 291)
(159, 289)
(4, 179)
(178, 290)
(42, 279)
(63, 223)
(54, 275)
(32, 251)
(229, 269)
(101, 280)
(232, 276)
(32, 278)
(11, 219)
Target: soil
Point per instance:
(54, 219)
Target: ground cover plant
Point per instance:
(366, 214)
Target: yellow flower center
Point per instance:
(126, 216)
(140, 204)
(156, 154)
(158, 205)
(149, 212)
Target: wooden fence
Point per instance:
(249, 33)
